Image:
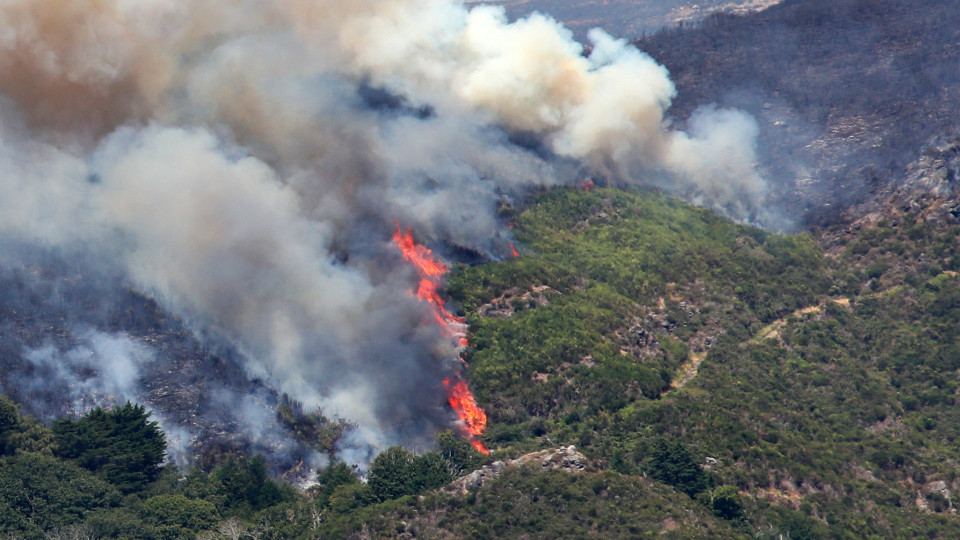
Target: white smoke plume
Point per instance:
(99, 370)
(242, 162)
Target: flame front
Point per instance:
(462, 402)
(431, 271)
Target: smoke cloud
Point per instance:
(242, 162)
(99, 370)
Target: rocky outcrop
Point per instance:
(517, 299)
(565, 458)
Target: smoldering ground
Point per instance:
(225, 158)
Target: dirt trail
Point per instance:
(772, 330)
(691, 367)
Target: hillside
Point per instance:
(846, 93)
(817, 377)
(206, 331)
(724, 380)
(829, 379)
(627, 19)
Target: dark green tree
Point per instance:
(22, 433)
(725, 502)
(332, 476)
(671, 463)
(122, 446)
(430, 472)
(244, 485)
(397, 472)
(175, 516)
(38, 493)
(392, 474)
(9, 423)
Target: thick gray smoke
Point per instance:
(242, 162)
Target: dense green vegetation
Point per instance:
(599, 342)
(103, 476)
(828, 393)
(527, 503)
(722, 381)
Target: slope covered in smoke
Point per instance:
(73, 339)
(846, 93)
(241, 164)
(628, 18)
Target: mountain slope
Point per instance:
(627, 19)
(846, 92)
(830, 381)
(720, 380)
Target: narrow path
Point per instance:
(772, 330)
(691, 367)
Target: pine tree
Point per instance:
(122, 446)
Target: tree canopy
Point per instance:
(121, 446)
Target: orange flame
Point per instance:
(419, 256)
(463, 403)
(431, 271)
(513, 251)
(586, 185)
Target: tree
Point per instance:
(176, 516)
(430, 472)
(122, 446)
(392, 474)
(9, 422)
(671, 463)
(22, 434)
(40, 492)
(73, 532)
(397, 472)
(244, 485)
(725, 502)
(332, 476)
(459, 454)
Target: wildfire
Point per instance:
(513, 251)
(431, 271)
(473, 418)
(587, 185)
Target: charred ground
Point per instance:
(846, 93)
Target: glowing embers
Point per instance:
(431, 271)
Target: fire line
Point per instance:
(432, 271)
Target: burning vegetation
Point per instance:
(230, 162)
(473, 420)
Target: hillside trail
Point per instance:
(691, 367)
(772, 330)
